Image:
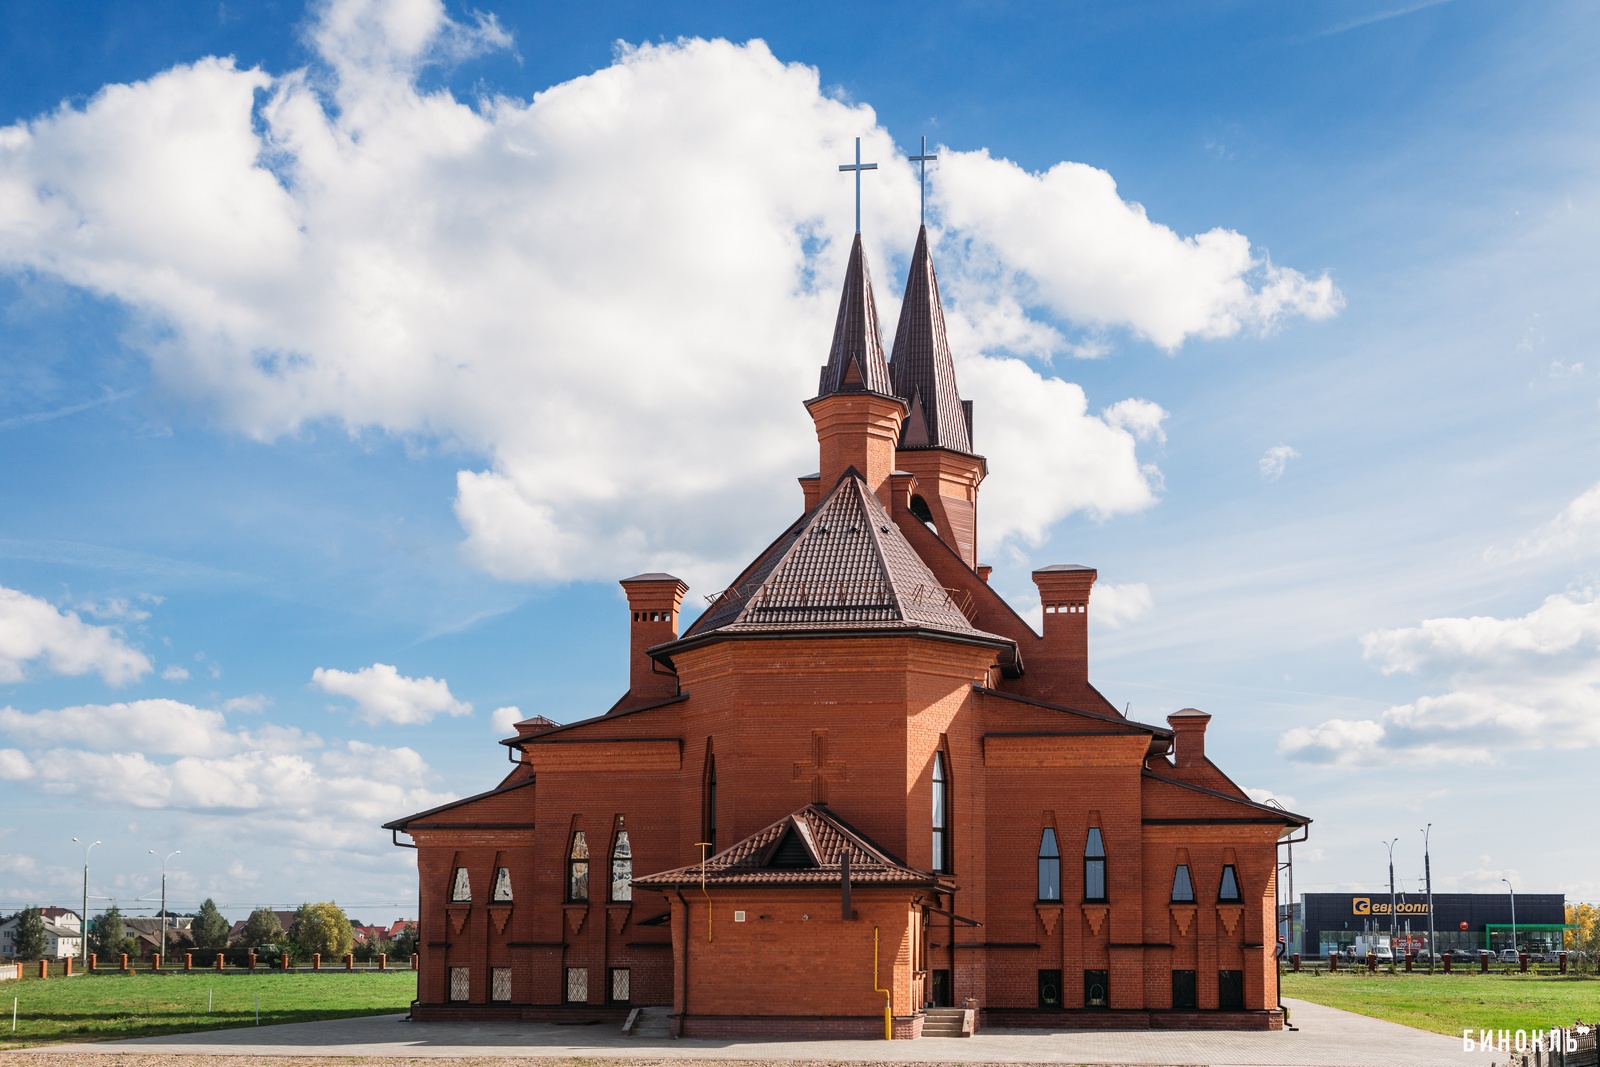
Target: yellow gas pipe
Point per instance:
(888, 1016)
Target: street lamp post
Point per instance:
(1391, 900)
(164, 860)
(1513, 893)
(83, 920)
(1427, 873)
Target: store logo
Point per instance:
(1361, 906)
(1368, 906)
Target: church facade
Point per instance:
(859, 785)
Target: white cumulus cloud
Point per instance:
(340, 244)
(1117, 605)
(33, 630)
(14, 766)
(1575, 530)
(1275, 461)
(502, 720)
(382, 694)
(1528, 682)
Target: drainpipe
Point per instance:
(888, 1015)
(679, 894)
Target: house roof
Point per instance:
(1279, 812)
(504, 787)
(855, 359)
(921, 367)
(843, 566)
(802, 849)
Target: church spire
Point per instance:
(855, 360)
(923, 373)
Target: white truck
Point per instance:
(1376, 944)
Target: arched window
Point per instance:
(708, 802)
(941, 815)
(920, 509)
(502, 885)
(1182, 887)
(1094, 867)
(460, 886)
(1229, 893)
(621, 868)
(1049, 866)
(578, 869)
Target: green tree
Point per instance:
(405, 942)
(261, 929)
(209, 929)
(320, 928)
(30, 939)
(106, 932)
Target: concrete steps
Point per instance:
(944, 1022)
(654, 1023)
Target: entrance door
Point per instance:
(940, 990)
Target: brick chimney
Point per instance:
(1189, 737)
(1064, 594)
(653, 603)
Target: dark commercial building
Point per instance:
(1333, 921)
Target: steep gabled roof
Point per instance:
(503, 787)
(803, 848)
(1276, 812)
(855, 359)
(844, 565)
(921, 368)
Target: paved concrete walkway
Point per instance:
(1327, 1037)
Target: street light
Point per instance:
(1392, 901)
(164, 860)
(1427, 873)
(83, 920)
(1513, 893)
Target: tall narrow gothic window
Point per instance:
(1229, 893)
(460, 887)
(709, 801)
(1094, 867)
(941, 815)
(502, 885)
(1182, 887)
(622, 868)
(1049, 866)
(578, 869)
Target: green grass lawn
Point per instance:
(1450, 1003)
(108, 1006)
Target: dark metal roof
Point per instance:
(654, 576)
(801, 849)
(921, 368)
(504, 787)
(855, 360)
(844, 566)
(1056, 568)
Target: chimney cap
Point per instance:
(653, 576)
(1188, 713)
(1057, 568)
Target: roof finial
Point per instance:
(922, 162)
(858, 167)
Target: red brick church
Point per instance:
(859, 785)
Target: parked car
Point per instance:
(1508, 955)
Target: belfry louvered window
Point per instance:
(1229, 892)
(1094, 867)
(941, 815)
(578, 869)
(622, 868)
(1049, 866)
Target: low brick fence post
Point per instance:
(94, 961)
(1563, 957)
(68, 969)
(283, 961)
(155, 962)
(222, 961)
(252, 961)
(1409, 957)
(1333, 962)
(1483, 963)
(316, 961)
(188, 961)
(1522, 961)
(1447, 963)
(349, 961)
(44, 968)
(413, 961)
(1294, 963)
(1372, 963)
(383, 962)
(124, 961)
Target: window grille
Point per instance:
(577, 985)
(1094, 867)
(1183, 990)
(502, 884)
(1049, 866)
(620, 980)
(461, 887)
(1096, 989)
(500, 984)
(460, 983)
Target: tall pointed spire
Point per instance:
(923, 373)
(855, 360)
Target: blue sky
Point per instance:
(340, 381)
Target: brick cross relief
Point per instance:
(819, 771)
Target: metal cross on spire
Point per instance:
(922, 162)
(858, 167)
